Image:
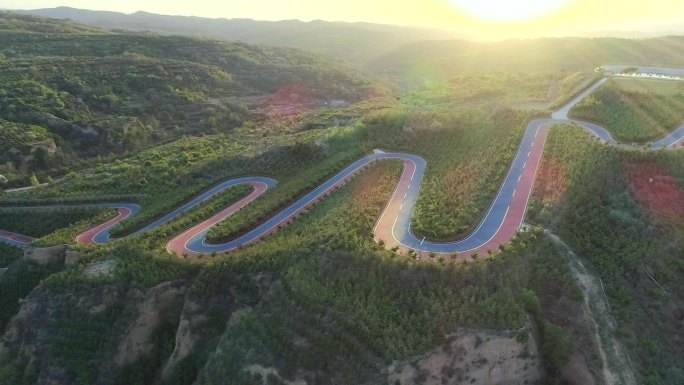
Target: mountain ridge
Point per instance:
(340, 40)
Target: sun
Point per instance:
(509, 10)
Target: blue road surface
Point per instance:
(485, 231)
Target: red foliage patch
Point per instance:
(551, 182)
(288, 100)
(656, 190)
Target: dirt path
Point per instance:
(616, 365)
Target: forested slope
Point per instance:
(630, 227)
(635, 110)
(319, 301)
(85, 92)
(291, 300)
(36, 24)
(348, 42)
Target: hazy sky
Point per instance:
(486, 19)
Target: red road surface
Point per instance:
(516, 211)
(87, 236)
(20, 238)
(178, 245)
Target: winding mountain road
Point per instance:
(393, 228)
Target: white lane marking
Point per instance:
(394, 225)
(515, 192)
(307, 199)
(673, 135)
(504, 216)
(312, 196)
(396, 189)
(239, 204)
(491, 207)
(534, 179)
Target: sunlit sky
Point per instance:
(481, 19)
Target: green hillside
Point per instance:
(319, 298)
(630, 227)
(305, 299)
(441, 60)
(157, 120)
(257, 68)
(352, 43)
(27, 23)
(635, 110)
(101, 94)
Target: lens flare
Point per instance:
(509, 10)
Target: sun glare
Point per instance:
(509, 10)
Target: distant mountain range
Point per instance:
(410, 55)
(440, 60)
(351, 42)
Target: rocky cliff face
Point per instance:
(54, 332)
(473, 357)
(46, 255)
(101, 333)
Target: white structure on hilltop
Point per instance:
(644, 72)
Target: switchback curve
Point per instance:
(500, 224)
